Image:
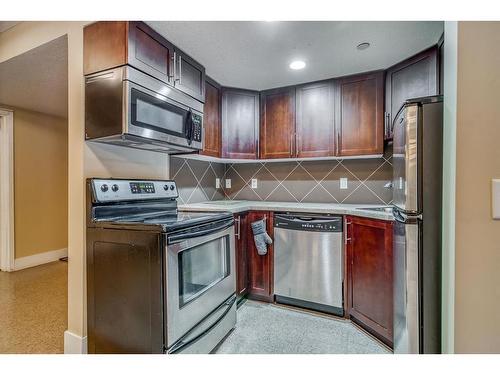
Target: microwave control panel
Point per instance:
(197, 126)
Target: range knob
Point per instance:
(104, 188)
(172, 187)
(165, 187)
(114, 187)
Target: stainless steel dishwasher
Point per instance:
(308, 261)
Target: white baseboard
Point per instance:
(38, 259)
(74, 344)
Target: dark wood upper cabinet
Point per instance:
(108, 44)
(370, 275)
(211, 120)
(260, 267)
(149, 52)
(189, 76)
(277, 126)
(240, 124)
(412, 78)
(315, 127)
(359, 114)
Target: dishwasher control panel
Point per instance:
(308, 222)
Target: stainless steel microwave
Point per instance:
(126, 107)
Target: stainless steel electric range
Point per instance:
(158, 280)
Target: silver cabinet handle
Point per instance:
(238, 234)
(174, 62)
(386, 123)
(180, 69)
(347, 239)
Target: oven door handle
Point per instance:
(182, 344)
(176, 238)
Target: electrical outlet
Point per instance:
(228, 183)
(343, 183)
(254, 183)
(217, 183)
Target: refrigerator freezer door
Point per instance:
(405, 160)
(406, 288)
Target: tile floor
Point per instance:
(272, 329)
(33, 309)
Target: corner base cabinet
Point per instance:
(260, 267)
(369, 267)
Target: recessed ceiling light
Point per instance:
(297, 65)
(362, 46)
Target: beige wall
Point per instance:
(83, 159)
(40, 183)
(477, 296)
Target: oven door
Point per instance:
(158, 117)
(200, 275)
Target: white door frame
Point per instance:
(6, 190)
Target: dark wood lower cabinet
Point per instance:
(369, 273)
(241, 234)
(260, 267)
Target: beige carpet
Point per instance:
(33, 309)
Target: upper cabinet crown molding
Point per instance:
(109, 44)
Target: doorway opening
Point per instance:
(34, 199)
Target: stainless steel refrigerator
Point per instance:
(417, 202)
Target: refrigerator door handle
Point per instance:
(404, 218)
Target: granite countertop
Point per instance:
(330, 208)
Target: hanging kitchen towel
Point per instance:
(260, 236)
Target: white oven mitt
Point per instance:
(260, 236)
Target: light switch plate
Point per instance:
(495, 198)
(217, 183)
(343, 183)
(254, 183)
(228, 183)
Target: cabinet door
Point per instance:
(277, 128)
(211, 120)
(412, 78)
(149, 52)
(260, 267)
(370, 275)
(360, 115)
(241, 255)
(315, 127)
(189, 76)
(104, 45)
(240, 124)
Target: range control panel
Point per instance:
(115, 190)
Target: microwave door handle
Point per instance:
(189, 127)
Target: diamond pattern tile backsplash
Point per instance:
(294, 181)
(196, 179)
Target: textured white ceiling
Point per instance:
(37, 80)
(255, 55)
